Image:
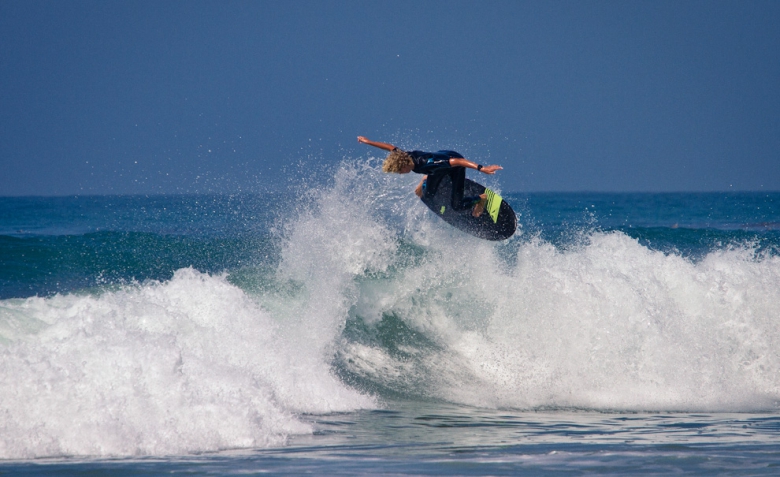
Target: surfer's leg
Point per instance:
(458, 175)
(431, 185)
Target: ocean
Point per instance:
(339, 327)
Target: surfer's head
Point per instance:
(399, 162)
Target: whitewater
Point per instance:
(128, 332)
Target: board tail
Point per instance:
(493, 204)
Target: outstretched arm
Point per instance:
(457, 162)
(380, 145)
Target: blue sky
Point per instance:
(137, 97)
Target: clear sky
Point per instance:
(118, 97)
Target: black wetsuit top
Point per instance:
(432, 162)
(437, 166)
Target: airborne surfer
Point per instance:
(435, 166)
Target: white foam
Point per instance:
(608, 325)
(189, 365)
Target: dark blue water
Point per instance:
(688, 223)
(61, 244)
(615, 333)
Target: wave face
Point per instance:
(360, 296)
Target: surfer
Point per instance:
(435, 166)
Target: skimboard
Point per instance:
(497, 222)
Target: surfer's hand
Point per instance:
(491, 169)
(363, 140)
(418, 190)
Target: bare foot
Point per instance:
(480, 206)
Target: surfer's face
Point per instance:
(406, 168)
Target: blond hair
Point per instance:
(396, 160)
